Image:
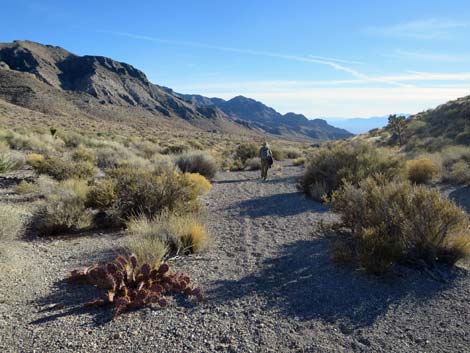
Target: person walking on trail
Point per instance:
(266, 156)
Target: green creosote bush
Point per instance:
(329, 167)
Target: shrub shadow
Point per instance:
(280, 205)
(302, 283)
(68, 299)
(461, 197)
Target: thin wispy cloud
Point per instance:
(425, 56)
(421, 29)
(331, 62)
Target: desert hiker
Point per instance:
(266, 156)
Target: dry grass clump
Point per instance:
(298, 161)
(64, 209)
(61, 168)
(152, 238)
(13, 219)
(177, 148)
(421, 171)
(34, 159)
(197, 162)
(200, 183)
(83, 154)
(329, 167)
(253, 163)
(292, 153)
(391, 222)
(278, 154)
(26, 187)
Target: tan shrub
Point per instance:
(247, 151)
(197, 162)
(34, 159)
(278, 154)
(102, 194)
(253, 163)
(421, 171)
(83, 154)
(141, 192)
(393, 222)
(25, 187)
(298, 161)
(64, 210)
(13, 219)
(61, 168)
(292, 153)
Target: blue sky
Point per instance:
(319, 58)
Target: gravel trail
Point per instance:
(270, 286)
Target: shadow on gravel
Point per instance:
(303, 283)
(234, 181)
(68, 299)
(461, 197)
(280, 205)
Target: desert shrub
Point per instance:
(278, 154)
(178, 148)
(421, 171)
(298, 161)
(140, 191)
(64, 209)
(293, 153)
(329, 167)
(131, 285)
(83, 154)
(390, 222)
(146, 149)
(253, 163)
(4, 147)
(197, 162)
(201, 184)
(167, 232)
(102, 194)
(33, 142)
(13, 219)
(6, 164)
(246, 151)
(26, 187)
(115, 156)
(61, 169)
(456, 164)
(34, 159)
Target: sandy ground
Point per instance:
(270, 284)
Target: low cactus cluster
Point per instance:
(131, 286)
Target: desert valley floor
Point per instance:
(269, 282)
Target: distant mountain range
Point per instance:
(360, 125)
(54, 82)
(257, 115)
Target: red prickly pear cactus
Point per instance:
(130, 286)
